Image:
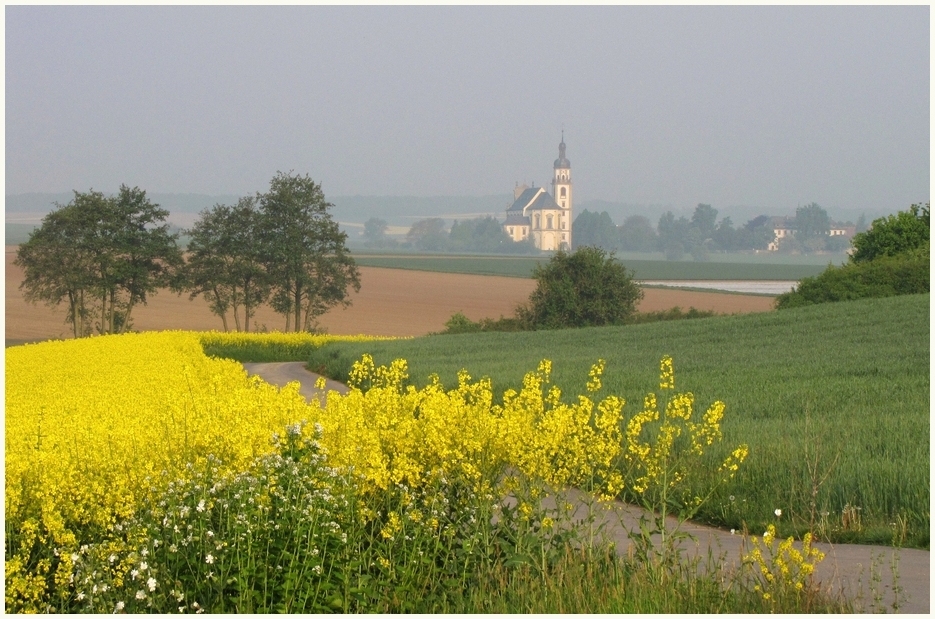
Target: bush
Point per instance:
(587, 288)
(459, 323)
(674, 313)
(883, 277)
(890, 236)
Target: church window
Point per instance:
(511, 230)
(536, 225)
(549, 221)
(563, 194)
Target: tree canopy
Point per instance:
(303, 251)
(375, 233)
(224, 261)
(104, 254)
(893, 235)
(586, 288)
(428, 234)
(595, 229)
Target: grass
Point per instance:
(522, 266)
(833, 401)
(577, 584)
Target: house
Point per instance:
(784, 227)
(537, 215)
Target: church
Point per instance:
(536, 214)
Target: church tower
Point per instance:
(561, 189)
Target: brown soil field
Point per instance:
(390, 302)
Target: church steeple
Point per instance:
(561, 189)
(562, 161)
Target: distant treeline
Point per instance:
(703, 234)
(480, 235)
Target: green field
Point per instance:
(522, 266)
(845, 385)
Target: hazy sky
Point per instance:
(756, 106)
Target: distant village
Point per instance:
(538, 221)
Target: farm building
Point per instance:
(536, 214)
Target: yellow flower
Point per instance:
(594, 376)
(666, 373)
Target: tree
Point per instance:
(812, 226)
(303, 251)
(724, 235)
(375, 232)
(893, 235)
(596, 230)
(673, 235)
(224, 261)
(428, 234)
(755, 234)
(703, 220)
(586, 288)
(112, 252)
(637, 234)
(481, 234)
(861, 225)
(58, 265)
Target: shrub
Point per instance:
(890, 236)
(587, 288)
(459, 323)
(883, 277)
(674, 313)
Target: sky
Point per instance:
(772, 107)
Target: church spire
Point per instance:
(562, 161)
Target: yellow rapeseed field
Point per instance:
(98, 427)
(95, 426)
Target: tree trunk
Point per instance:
(103, 327)
(113, 310)
(81, 311)
(223, 315)
(298, 307)
(246, 308)
(126, 317)
(73, 305)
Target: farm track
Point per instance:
(850, 569)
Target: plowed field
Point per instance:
(390, 302)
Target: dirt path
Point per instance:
(863, 573)
(391, 302)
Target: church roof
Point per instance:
(516, 219)
(562, 161)
(534, 199)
